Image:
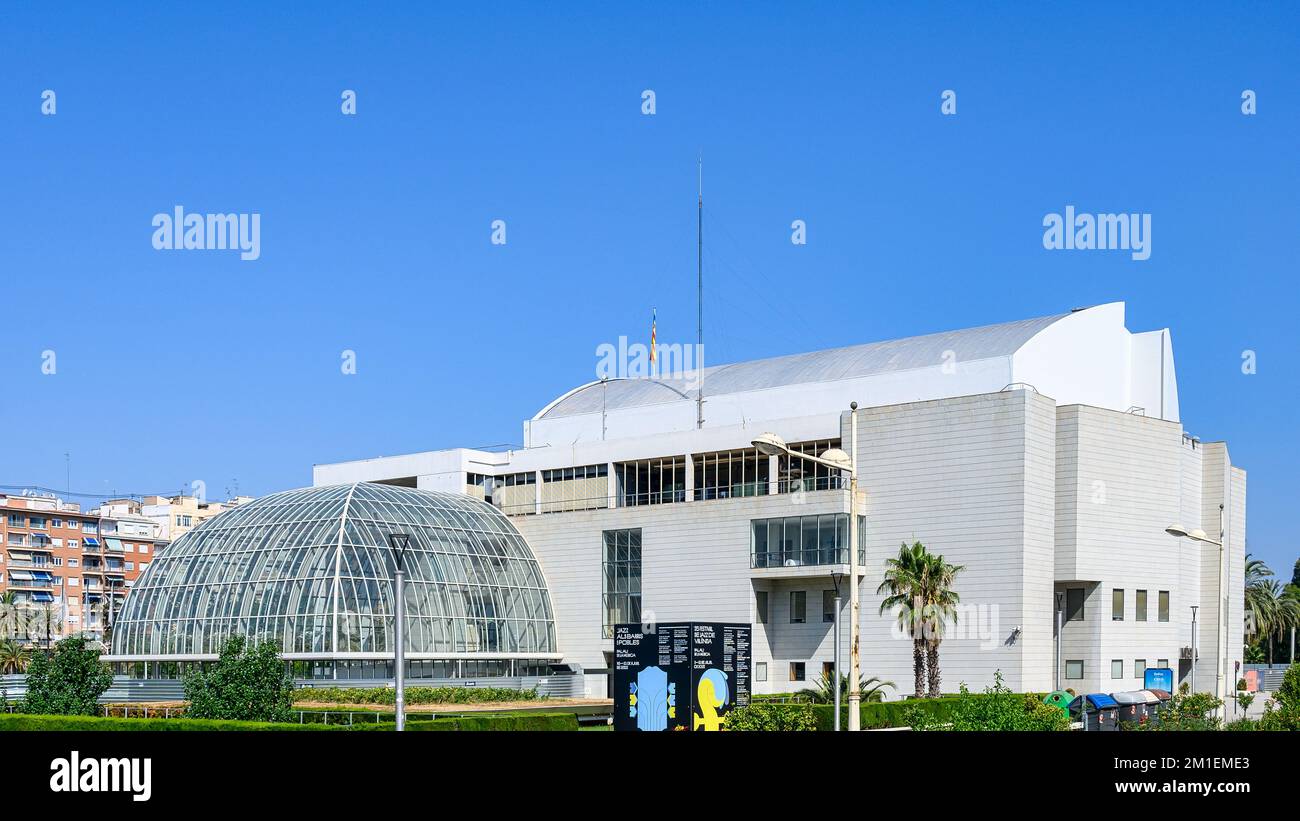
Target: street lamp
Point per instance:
(399, 542)
(1060, 622)
(1221, 641)
(835, 579)
(769, 444)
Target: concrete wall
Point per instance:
(972, 479)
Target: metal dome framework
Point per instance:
(312, 571)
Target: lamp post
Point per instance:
(1221, 641)
(1060, 621)
(399, 542)
(1194, 609)
(835, 579)
(769, 444)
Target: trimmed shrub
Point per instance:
(545, 722)
(767, 717)
(23, 722)
(19, 722)
(414, 695)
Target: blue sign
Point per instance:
(1158, 678)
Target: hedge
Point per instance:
(21, 722)
(882, 714)
(414, 695)
(545, 722)
(18, 722)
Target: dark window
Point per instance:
(1141, 605)
(1163, 611)
(1074, 597)
(796, 671)
(798, 608)
(1117, 605)
(828, 605)
(760, 605)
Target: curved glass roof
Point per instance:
(968, 344)
(312, 570)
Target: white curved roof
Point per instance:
(870, 359)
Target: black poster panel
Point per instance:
(681, 676)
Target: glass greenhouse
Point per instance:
(312, 570)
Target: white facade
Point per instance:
(1043, 455)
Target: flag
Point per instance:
(654, 314)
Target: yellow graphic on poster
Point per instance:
(711, 695)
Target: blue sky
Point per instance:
(177, 366)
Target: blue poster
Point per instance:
(1158, 678)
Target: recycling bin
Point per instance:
(1098, 710)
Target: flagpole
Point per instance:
(699, 300)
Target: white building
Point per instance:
(1046, 456)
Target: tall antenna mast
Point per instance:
(699, 300)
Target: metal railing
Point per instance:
(811, 557)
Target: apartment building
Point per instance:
(178, 515)
(65, 571)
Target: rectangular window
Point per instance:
(828, 670)
(651, 481)
(1117, 605)
(760, 606)
(760, 671)
(798, 541)
(1074, 597)
(730, 474)
(1163, 664)
(796, 671)
(1117, 668)
(828, 606)
(1074, 668)
(1139, 668)
(1163, 611)
(1141, 605)
(798, 607)
(621, 579)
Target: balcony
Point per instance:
(30, 563)
(809, 545)
(31, 584)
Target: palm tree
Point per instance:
(938, 608)
(13, 658)
(1281, 612)
(872, 689)
(1259, 601)
(904, 586)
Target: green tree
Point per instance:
(246, 683)
(68, 681)
(904, 588)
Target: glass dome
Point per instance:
(312, 570)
